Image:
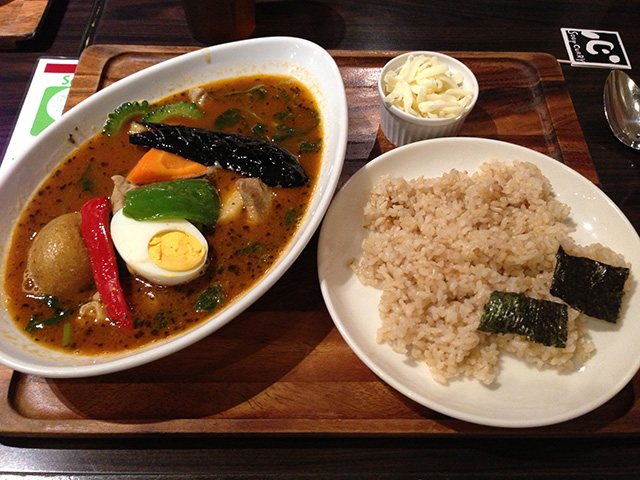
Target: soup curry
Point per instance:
(242, 245)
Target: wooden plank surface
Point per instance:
(294, 373)
(19, 20)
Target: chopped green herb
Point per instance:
(178, 109)
(292, 215)
(50, 301)
(35, 322)
(259, 90)
(210, 299)
(292, 130)
(281, 137)
(159, 322)
(284, 95)
(85, 182)
(124, 113)
(67, 333)
(255, 116)
(540, 321)
(591, 287)
(251, 248)
(282, 115)
(228, 118)
(138, 322)
(287, 132)
(260, 130)
(309, 147)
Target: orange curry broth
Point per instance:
(233, 264)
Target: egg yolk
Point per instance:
(176, 251)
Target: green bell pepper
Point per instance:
(195, 200)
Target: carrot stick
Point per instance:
(160, 166)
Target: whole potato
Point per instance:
(58, 263)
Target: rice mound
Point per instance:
(438, 247)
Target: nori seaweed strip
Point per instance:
(540, 321)
(591, 287)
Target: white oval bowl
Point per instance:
(402, 128)
(306, 61)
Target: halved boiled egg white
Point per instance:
(164, 252)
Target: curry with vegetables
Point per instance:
(168, 215)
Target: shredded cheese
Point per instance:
(424, 87)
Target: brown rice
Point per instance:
(437, 248)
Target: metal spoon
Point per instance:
(622, 108)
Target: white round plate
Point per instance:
(522, 396)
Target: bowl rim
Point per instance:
(459, 67)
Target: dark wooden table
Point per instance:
(524, 25)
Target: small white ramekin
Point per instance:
(401, 128)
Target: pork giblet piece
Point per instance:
(120, 188)
(256, 196)
(198, 95)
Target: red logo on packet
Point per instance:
(60, 68)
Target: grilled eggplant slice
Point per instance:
(248, 156)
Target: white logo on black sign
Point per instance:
(595, 48)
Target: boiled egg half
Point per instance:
(163, 252)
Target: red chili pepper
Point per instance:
(97, 238)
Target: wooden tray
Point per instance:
(282, 367)
(19, 20)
